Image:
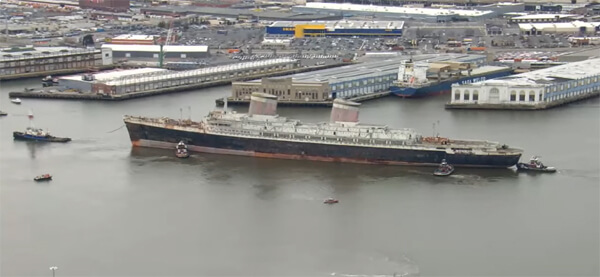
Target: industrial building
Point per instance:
(342, 82)
(575, 27)
(134, 39)
(535, 18)
(245, 14)
(335, 28)
(86, 81)
(105, 5)
(49, 60)
(124, 51)
(123, 82)
(402, 13)
(563, 83)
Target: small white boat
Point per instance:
(16, 101)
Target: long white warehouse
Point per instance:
(538, 89)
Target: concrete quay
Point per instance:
(362, 98)
(69, 95)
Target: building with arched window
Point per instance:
(532, 90)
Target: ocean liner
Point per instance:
(263, 133)
(425, 79)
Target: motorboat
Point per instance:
(48, 81)
(444, 169)
(331, 201)
(535, 164)
(16, 101)
(43, 177)
(181, 150)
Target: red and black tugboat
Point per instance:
(43, 177)
(535, 165)
(444, 169)
(181, 150)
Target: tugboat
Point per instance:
(331, 201)
(535, 165)
(3, 113)
(16, 101)
(43, 177)
(181, 150)
(36, 134)
(444, 169)
(48, 81)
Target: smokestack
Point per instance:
(344, 111)
(262, 103)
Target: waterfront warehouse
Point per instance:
(575, 27)
(158, 80)
(125, 51)
(538, 89)
(424, 14)
(40, 61)
(343, 82)
(335, 28)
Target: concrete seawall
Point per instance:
(45, 94)
(540, 106)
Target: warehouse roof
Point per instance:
(155, 48)
(115, 74)
(551, 75)
(135, 37)
(543, 16)
(388, 9)
(345, 24)
(372, 68)
(558, 25)
(228, 12)
(173, 75)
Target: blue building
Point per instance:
(335, 28)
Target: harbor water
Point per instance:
(116, 211)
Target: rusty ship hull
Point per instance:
(167, 137)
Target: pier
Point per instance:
(76, 95)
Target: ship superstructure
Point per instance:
(263, 133)
(418, 79)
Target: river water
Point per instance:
(116, 211)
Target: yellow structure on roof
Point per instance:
(299, 29)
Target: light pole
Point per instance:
(53, 268)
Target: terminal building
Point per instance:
(40, 61)
(335, 28)
(575, 27)
(402, 13)
(141, 80)
(342, 82)
(133, 52)
(536, 89)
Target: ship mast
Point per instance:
(30, 116)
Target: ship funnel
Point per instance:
(262, 103)
(344, 111)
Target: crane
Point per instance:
(168, 40)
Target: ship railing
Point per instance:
(311, 137)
